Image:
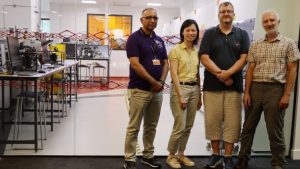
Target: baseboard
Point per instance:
(119, 76)
(295, 154)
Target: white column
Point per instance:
(20, 14)
(35, 15)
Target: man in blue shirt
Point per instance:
(148, 70)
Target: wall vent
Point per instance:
(121, 3)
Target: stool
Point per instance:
(87, 72)
(19, 110)
(72, 77)
(98, 66)
(61, 96)
(59, 90)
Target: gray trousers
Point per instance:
(183, 118)
(143, 105)
(265, 98)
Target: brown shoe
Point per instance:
(277, 167)
(173, 162)
(241, 164)
(185, 161)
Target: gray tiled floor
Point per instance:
(96, 125)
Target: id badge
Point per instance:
(156, 62)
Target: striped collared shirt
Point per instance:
(271, 59)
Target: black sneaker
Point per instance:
(129, 165)
(242, 163)
(214, 161)
(152, 162)
(228, 163)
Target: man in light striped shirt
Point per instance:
(270, 80)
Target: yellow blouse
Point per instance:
(188, 62)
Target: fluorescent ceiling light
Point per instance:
(121, 3)
(153, 4)
(88, 1)
(4, 12)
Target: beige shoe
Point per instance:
(185, 161)
(173, 162)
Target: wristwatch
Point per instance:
(162, 82)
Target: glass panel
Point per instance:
(120, 28)
(45, 25)
(96, 27)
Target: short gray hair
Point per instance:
(146, 9)
(271, 11)
(226, 3)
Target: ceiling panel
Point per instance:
(133, 3)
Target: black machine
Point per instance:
(20, 57)
(29, 57)
(71, 50)
(87, 52)
(14, 59)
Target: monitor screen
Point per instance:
(70, 50)
(15, 61)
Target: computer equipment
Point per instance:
(14, 59)
(41, 71)
(70, 50)
(26, 73)
(17, 64)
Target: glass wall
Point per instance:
(95, 35)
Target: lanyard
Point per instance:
(153, 44)
(154, 48)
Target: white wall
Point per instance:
(289, 26)
(74, 18)
(12, 16)
(289, 21)
(21, 16)
(205, 12)
(192, 5)
(186, 8)
(45, 9)
(240, 7)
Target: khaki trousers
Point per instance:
(183, 118)
(143, 105)
(222, 115)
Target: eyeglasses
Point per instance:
(226, 11)
(150, 17)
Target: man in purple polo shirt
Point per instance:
(148, 70)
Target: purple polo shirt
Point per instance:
(146, 48)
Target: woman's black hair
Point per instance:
(186, 24)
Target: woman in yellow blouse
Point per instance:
(185, 92)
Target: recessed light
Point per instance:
(4, 12)
(88, 1)
(153, 4)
